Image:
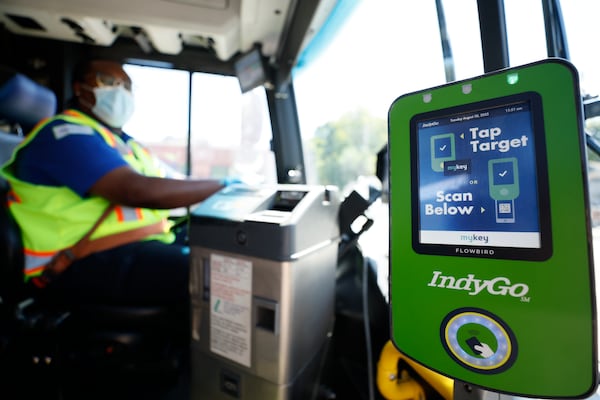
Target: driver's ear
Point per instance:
(77, 89)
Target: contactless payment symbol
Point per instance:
(504, 178)
(478, 340)
(504, 187)
(442, 150)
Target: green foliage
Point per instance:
(347, 148)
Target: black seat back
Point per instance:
(11, 253)
(22, 104)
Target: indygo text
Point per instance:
(498, 286)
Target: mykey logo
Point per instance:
(499, 286)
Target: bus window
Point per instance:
(594, 187)
(580, 25)
(342, 87)
(161, 109)
(525, 31)
(592, 127)
(229, 133)
(581, 20)
(464, 39)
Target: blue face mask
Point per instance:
(114, 105)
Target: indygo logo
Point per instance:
(499, 286)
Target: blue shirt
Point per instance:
(65, 154)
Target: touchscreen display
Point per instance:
(480, 180)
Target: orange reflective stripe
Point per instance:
(36, 260)
(119, 212)
(35, 271)
(129, 214)
(108, 137)
(144, 150)
(12, 197)
(35, 253)
(106, 134)
(39, 123)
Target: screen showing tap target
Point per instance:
(479, 180)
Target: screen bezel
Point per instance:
(495, 252)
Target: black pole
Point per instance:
(556, 38)
(446, 49)
(494, 43)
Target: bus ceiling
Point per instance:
(164, 29)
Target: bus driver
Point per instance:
(78, 177)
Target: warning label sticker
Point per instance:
(230, 308)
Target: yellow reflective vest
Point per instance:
(54, 218)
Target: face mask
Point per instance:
(114, 105)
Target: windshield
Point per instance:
(229, 132)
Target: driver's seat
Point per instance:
(59, 351)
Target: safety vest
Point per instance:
(54, 218)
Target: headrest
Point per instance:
(24, 101)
